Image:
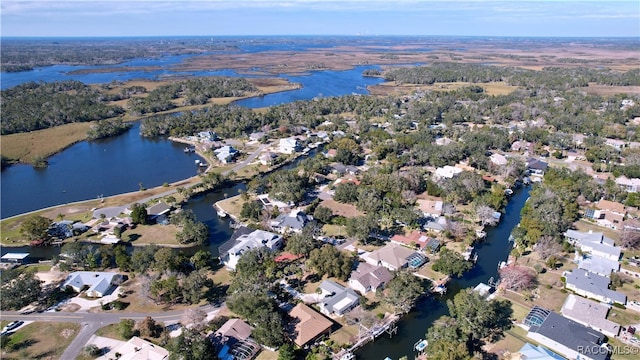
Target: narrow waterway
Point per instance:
(413, 327)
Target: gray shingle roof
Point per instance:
(593, 283)
(570, 334)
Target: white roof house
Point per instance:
(136, 349)
(630, 185)
(14, 257)
(447, 172)
(337, 299)
(99, 283)
(245, 242)
(590, 313)
(226, 154)
(498, 159)
(594, 243)
(288, 145)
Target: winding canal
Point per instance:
(413, 326)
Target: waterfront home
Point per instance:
(207, 136)
(336, 299)
(269, 203)
(564, 336)
(415, 239)
(309, 325)
(159, 212)
(233, 340)
(243, 240)
(14, 258)
(430, 208)
(531, 352)
(331, 153)
(226, 154)
(590, 313)
(592, 285)
(447, 172)
(136, 349)
(267, 158)
(629, 185)
(594, 243)
(395, 257)
(98, 283)
(367, 277)
(288, 146)
(536, 168)
(291, 222)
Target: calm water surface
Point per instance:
(92, 168)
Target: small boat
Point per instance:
(348, 356)
(508, 192)
(222, 214)
(420, 345)
(189, 150)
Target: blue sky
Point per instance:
(308, 17)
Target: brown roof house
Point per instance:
(395, 257)
(369, 277)
(308, 324)
(430, 208)
(607, 213)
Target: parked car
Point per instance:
(11, 326)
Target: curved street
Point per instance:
(91, 322)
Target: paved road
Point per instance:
(91, 322)
(246, 161)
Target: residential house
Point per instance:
(16, 258)
(233, 341)
(98, 283)
(442, 141)
(331, 153)
(207, 136)
(615, 143)
(395, 257)
(430, 208)
(367, 277)
(564, 336)
(590, 313)
(135, 349)
(342, 169)
(289, 146)
(607, 213)
(415, 240)
(498, 159)
(243, 240)
(629, 185)
(593, 286)
(536, 168)
(159, 212)
(291, 222)
(596, 264)
(531, 352)
(309, 325)
(336, 299)
(433, 245)
(447, 172)
(594, 243)
(256, 136)
(438, 225)
(226, 154)
(267, 158)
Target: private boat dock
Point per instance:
(369, 334)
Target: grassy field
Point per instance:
(391, 88)
(152, 234)
(267, 355)
(40, 340)
(25, 147)
(232, 205)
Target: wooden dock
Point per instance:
(389, 327)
